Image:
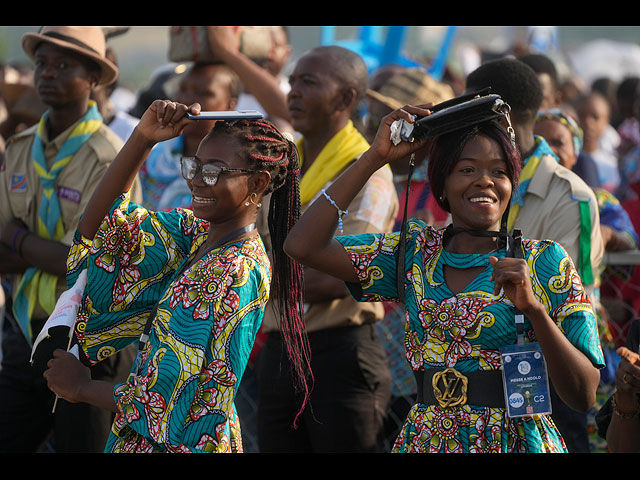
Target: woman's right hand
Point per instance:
(165, 119)
(382, 147)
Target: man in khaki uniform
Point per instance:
(351, 380)
(48, 176)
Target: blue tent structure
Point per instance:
(380, 45)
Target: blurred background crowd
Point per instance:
(589, 59)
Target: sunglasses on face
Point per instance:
(190, 167)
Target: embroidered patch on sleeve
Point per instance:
(18, 182)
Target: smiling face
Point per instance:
(478, 189)
(224, 201)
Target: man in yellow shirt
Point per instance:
(351, 379)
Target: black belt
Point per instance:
(449, 387)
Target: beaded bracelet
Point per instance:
(619, 412)
(341, 213)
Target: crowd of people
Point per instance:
(310, 279)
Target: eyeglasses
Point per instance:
(190, 167)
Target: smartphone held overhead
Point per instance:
(226, 115)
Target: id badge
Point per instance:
(526, 384)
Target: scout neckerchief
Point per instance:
(36, 285)
(530, 166)
(345, 146)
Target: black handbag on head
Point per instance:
(456, 114)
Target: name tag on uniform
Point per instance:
(526, 383)
(70, 194)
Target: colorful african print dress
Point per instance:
(466, 330)
(181, 398)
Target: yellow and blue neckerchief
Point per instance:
(531, 164)
(36, 285)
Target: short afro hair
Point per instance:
(515, 81)
(541, 64)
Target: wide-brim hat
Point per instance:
(87, 41)
(412, 86)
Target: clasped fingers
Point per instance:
(509, 270)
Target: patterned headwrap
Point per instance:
(568, 121)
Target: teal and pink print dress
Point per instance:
(182, 397)
(465, 331)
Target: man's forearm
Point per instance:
(47, 255)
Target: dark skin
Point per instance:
(209, 86)
(559, 139)
(320, 106)
(523, 126)
(225, 45)
(63, 81)
(66, 376)
(311, 243)
(623, 434)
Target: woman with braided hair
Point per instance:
(191, 285)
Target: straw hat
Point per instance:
(88, 41)
(413, 86)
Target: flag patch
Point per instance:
(19, 182)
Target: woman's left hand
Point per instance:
(512, 276)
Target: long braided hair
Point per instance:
(269, 149)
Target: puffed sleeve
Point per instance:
(557, 285)
(375, 260)
(130, 262)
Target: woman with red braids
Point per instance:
(191, 285)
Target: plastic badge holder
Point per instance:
(526, 383)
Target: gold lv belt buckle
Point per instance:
(450, 387)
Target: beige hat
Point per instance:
(88, 41)
(413, 86)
